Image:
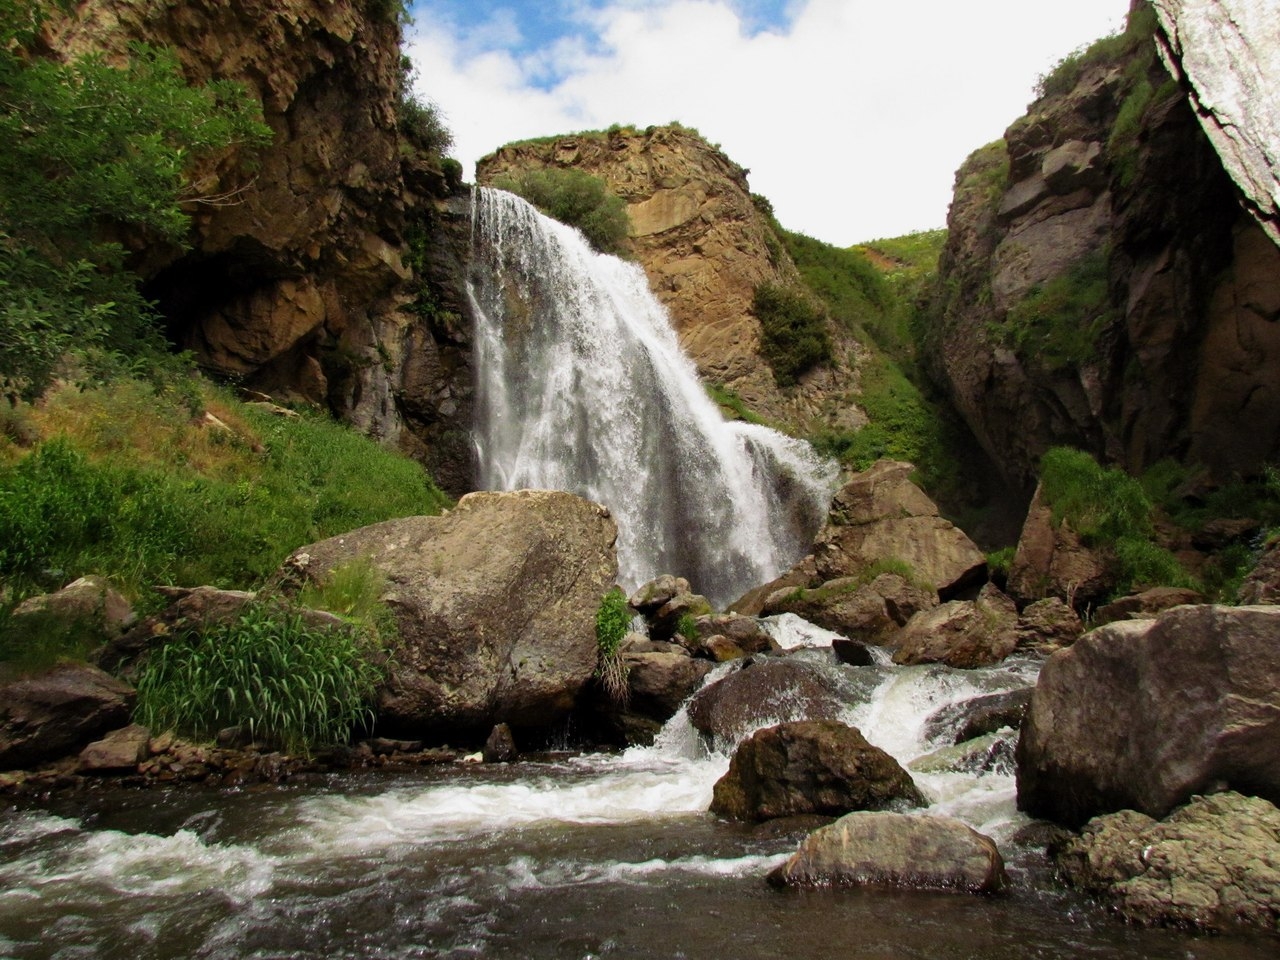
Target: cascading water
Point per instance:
(582, 386)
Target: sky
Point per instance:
(851, 115)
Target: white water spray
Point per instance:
(582, 386)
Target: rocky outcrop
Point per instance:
(704, 246)
(1262, 585)
(495, 605)
(896, 850)
(1102, 287)
(869, 613)
(1143, 714)
(45, 716)
(1145, 605)
(810, 767)
(314, 260)
(89, 604)
(1209, 865)
(1048, 624)
(1053, 561)
(961, 633)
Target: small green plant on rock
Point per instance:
(612, 620)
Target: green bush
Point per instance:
(793, 332)
(613, 618)
(292, 684)
(577, 198)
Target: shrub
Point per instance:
(293, 684)
(1059, 321)
(612, 620)
(353, 591)
(793, 332)
(577, 198)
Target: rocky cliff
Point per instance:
(311, 263)
(1105, 284)
(705, 246)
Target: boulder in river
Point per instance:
(1143, 714)
(764, 691)
(898, 850)
(45, 716)
(1210, 864)
(495, 605)
(810, 767)
(978, 716)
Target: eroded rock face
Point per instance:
(495, 605)
(1143, 714)
(704, 246)
(1211, 864)
(897, 850)
(1111, 193)
(46, 716)
(810, 767)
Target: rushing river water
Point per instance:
(568, 857)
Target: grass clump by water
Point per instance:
(612, 620)
(295, 685)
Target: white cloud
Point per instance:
(852, 122)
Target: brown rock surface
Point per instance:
(1052, 561)
(867, 612)
(763, 692)
(119, 751)
(1262, 585)
(810, 767)
(961, 633)
(1143, 714)
(495, 605)
(1145, 605)
(46, 716)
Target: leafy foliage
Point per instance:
(612, 619)
(577, 198)
(419, 120)
(793, 332)
(1059, 321)
(1065, 74)
(297, 685)
(94, 152)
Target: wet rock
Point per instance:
(660, 682)
(752, 603)
(1145, 605)
(46, 716)
(871, 612)
(745, 633)
(961, 633)
(987, 753)
(896, 850)
(880, 515)
(652, 596)
(807, 767)
(665, 622)
(386, 746)
(1211, 864)
(1048, 624)
(501, 745)
(120, 750)
(761, 693)
(853, 652)
(1143, 714)
(978, 716)
(1052, 561)
(494, 603)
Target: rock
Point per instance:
(1145, 713)
(1145, 605)
(89, 603)
(650, 597)
(1211, 864)
(880, 515)
(745, 633)
(1262, 585)
(49, 715)
(120, 750)
(660, 682)
(869, 612)
(961, 633)
(1048, 624)
(896, 850)
(761, 693)
(853, 652)
(1052, 561)
(664, 623)
(988, 753)
(501, 745)
(803, 574)
(808, 767)
(979, 716)
(495, 605)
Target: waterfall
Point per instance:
(582, 386)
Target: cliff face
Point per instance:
(1104, 287)
(705, 247)
(300, 276)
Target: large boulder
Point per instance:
(961, 633)
(658, 683)
(1143, 714)
(46, 716)
(810, 767)
(1048, 624)
(494, 603)
(764, 691)
(1052, 561)
(870, 612)
(89, 603)
(880, 515)
(1210, 864)
(896, 850)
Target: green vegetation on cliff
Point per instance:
(95, 154)
(793, 332)
(577, 198)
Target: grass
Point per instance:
(125, 483)
(577, 198)
(294, 685)
(1066, 73)
(1059, 321)
(613, 618)
(729, 400)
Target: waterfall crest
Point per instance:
(582, 386)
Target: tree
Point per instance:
(93, 152)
